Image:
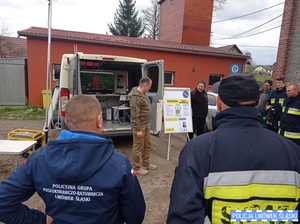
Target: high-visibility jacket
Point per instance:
(239, 166)
(290, 118)
(275, 102)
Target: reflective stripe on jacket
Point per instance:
(239, 166)
(290, 118)
(276, 101)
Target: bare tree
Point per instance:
(3, 40)
(218, 4)
(250, 58)
(151, 20)
(8, 48)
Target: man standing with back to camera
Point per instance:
(80, 177)
(140, 111)
(239, 166)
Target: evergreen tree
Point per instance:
(126, 20)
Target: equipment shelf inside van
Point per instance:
(109, 78)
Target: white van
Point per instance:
(110, 78)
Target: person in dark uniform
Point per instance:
(290, 117)
(274, 105)
(238, 166)
(199, 102)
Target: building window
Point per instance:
(213, 78)
(169, 78)
(56, 71)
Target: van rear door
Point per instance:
(155, 71)
(74, 84)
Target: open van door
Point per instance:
(74, 76)
(155, 71)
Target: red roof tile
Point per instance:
(127, 42)
(13, 47)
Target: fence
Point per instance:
(13, 81)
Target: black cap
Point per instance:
(236, 89)
(269, 81)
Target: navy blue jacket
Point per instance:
(81, 179)
(290, 118)
(239, 166)
(276, 102)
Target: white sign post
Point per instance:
(177, 112)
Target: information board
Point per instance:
(177, 110)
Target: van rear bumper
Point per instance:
(111, 134)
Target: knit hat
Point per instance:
(236, 89)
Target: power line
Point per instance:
(264, 31)
(237, 35)
(237, 17)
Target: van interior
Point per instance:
(110, 83)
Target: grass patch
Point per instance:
(22, 112)
(261, 78)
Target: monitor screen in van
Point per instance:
(96, 82)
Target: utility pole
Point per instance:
(48, 80)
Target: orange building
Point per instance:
(183, 45)
(184, 64)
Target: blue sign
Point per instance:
(264, 215)
(185, 94)
(235, 69)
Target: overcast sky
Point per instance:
(93, 16)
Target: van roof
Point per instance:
(105, 57)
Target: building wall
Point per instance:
(181, 64)
(293, 67)
(186, 21)
(197, 22)
(288, 57)
(171, 20)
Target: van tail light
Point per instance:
(64, 97)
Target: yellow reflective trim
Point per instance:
(221, 210)
(293, 135)
(244, 178)
(293, 111)
(272, 100)
(252, 190)
(280, 101)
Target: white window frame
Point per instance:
(172, 78)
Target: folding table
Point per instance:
(15, 147)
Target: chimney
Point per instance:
(286, 38)
(186, 21)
